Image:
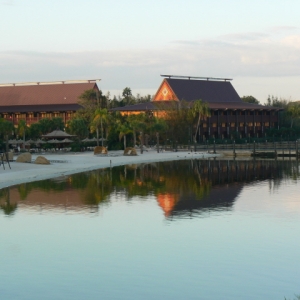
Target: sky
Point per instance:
(131, 43)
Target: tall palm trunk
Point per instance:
(97, 132)
(124, 141)
(24, 140)
(198, 124)
(101, 132)
(6, 142)
(134, 138)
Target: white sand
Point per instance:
(70, 163)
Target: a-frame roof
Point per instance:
(206, 90)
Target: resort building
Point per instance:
(34, 101)
(228, 112)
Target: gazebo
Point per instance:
(56, 134)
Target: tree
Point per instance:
(178, 118)
(34, 131)
(6, 129)
(100, 116)
(277, 102)
(250, 99)
(201, 111)
(137, 123)
(142, 99)
(124, 129)
(77, 127)
(45, 125)
(293, 110)
(90, 101)
(22, 128)
(159, 126)
(127, 95)
(57, 123)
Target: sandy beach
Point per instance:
(63, 164)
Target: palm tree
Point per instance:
(124, 130)
(100, 116)
(200, 110)
(159, 126)
(137, 123)
(22, 128)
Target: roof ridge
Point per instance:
(50, 82)
(195, 78)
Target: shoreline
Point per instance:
(65, 164)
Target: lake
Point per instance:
(194, 229)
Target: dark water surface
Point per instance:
(176, 230)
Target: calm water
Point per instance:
(176, 230)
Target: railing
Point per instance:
(257, 146)
(32, 120)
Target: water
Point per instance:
(176, 230)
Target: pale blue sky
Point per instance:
(130, 43)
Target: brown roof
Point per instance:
(206, 90)
(57, 134)
(43, 94)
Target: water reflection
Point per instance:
(181, 188)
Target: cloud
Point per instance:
(282, 29)
(291, 41)
(8, 2)
(249, 54)
(247, 36)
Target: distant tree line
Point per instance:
(97, 98)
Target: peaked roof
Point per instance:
(43, 94)
(207, 90)
(58, 134)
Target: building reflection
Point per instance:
(181, 188)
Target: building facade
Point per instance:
(35, 101)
